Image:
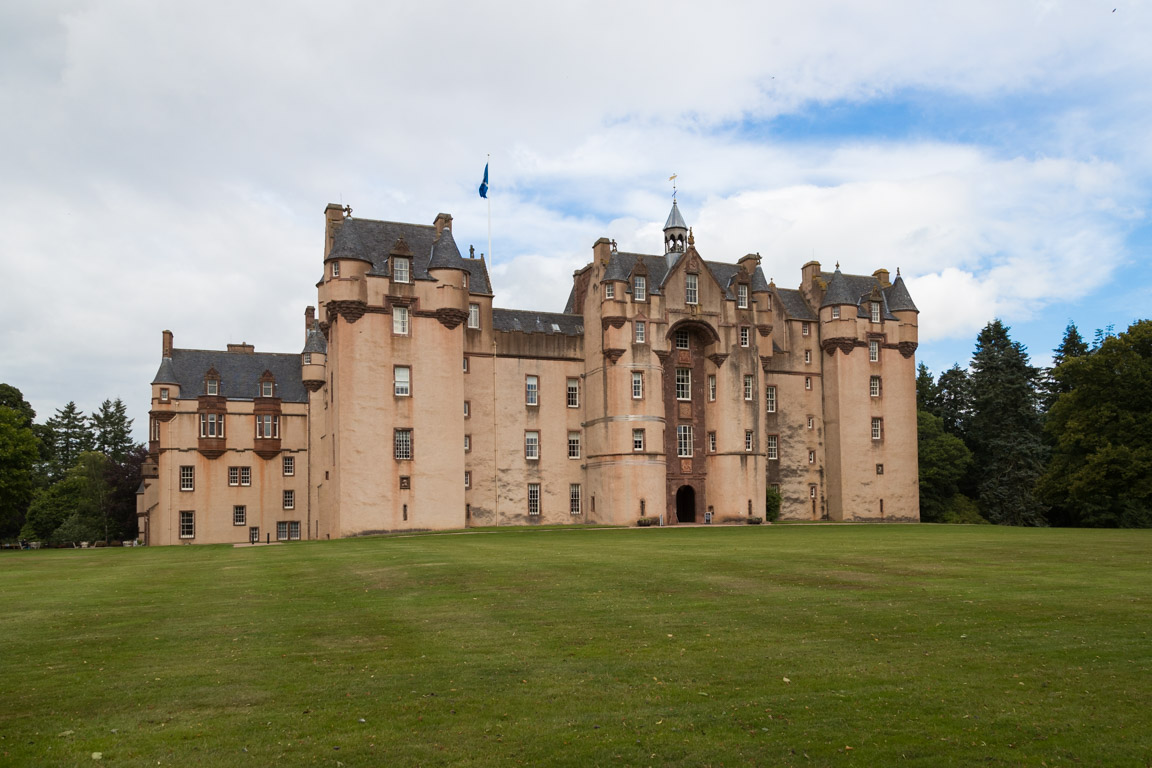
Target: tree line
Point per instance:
(1005, 442)
(72, 478)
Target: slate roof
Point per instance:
(372, 241)
(674, 218)
(725, 274)
(315, 341)
(620, 266)
(795, 305)
(838, 291)
(240, 373)
(527, 321)
(898, 297)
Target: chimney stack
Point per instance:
(166, 347)
(443, 222)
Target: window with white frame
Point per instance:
(745, 336)
(574, 498)
(294, 530)
(807, 357)
(637, 385)
(212, 386)
(267, 389)
(748, 387)
(289, 499)
(805, 329)
(282, 530)
(154, 429)
(683, 383)
(239, 515)
(267, 426)
(533, 499)
(681, 339)
(684, 441)
(742, 296)
(641, 330)
(811, 457)
(187, 525)
(467, 409)
(875, 311)
(187, 478)
(711, 442)
(874, 386)
(473, 315)
(573, 445)
(749, 440)
(770, 399)
(772, 444)
(836, 312)
(807, 382)
(467, 443)
(211, 425)
(812, 491)
(873, 351)
(245, 476)
(467, 479)
(163, 394)
(637, 439)
(400, 321)
(877, 428)
(609, 290)
(811, 423)
(288, 465)
(711, 388)
(465, 364)
(639, 288)
(532, 390)
(402, 444)
(402, 380)
(401, 269)
(335, 269)
(532, 445)
(691, 289)
(573, 393)
(307, 358)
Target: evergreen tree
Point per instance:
(1005, 429)
(70, 436)
(1101, 427)
(944, 460)
(112, 429)
(11, 397)
(953, 401)
(1072, 346)
(925, 389)
(19, 452)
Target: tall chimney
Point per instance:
(166, 347)
(443, 222)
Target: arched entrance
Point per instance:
(686, 504)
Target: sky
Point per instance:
(167, 165)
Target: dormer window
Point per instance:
(742, 296)
(875, 311)
(639, 288)
(212, 383)
(266, 389)
(691, 289)
(401, 269)
(267, 385)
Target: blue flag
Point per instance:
(484, 184)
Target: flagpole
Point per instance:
(489, 220)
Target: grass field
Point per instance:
(781, 645)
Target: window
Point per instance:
(401, 381)
(641, 331)
(805, 329)
(467, 479)
(402, 444)
(742, 296)
(609, 290)
(163, 394)
(772, 443)
(836, 312)
(684, 441)
(574, 498)
(154, 429)
(532, 445)
(807, 357)
(877, 428)
(683, 383)
(712, 442)
(748, 392)
(289, 499)
(187, 478)
(811, 422)
(187, 525)
(637, 439)
(307, 358)
(467, 409)
(879, 469)
(211, 386)
(467, 443)
(807, 382)
(289, 466)
(267, 426)
(467, 281)
(691, 289)
(682, 339)
(239, 515)
(712, 388)
(294, 530)
(211, 425)
(770, 399)
(573, 445)
(531, 390)
(873, 351)
(405, 485)
(254, 534)
(245, 476)
(400, 321)
(811, 491)
(748, 440)
(401, 269)
(744, 336)
(639, 288)
(473, 315)
(875, 305)
(266, 389)
(465, 365)
(811, 457)
(637, 385)
(534, 499)
(573, 393)
(282, 531)
(335, 269)
(874, 386)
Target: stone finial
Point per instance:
(691, 237)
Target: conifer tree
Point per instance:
(1071, 346)
(953, 401)
(925, 389)
(112, 430)
(70, 436)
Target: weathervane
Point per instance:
(672, 179)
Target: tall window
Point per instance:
(811, 423)
(637, 385)
(467, 443)
(807, 382)
(267, 426)
(637, 439)
(682, 339)
(836, 312)
(401, 269)
(683, 383)
(807, 357)
(531, 390)
(402, 444)
(873, 351)
(573, 445)
(874, 386)
(154, 429)
(533, 499)
(239, 515)
(711, 442)
(573, 393)
(211, 425)
(212, 386)
(288, 465)
(282, 530)
(770, 399)
(712, 388)
(772, 443)
(473, 315)
(187, 525)
(294, 530)
(742, 296)
(335, 269)
(467, 409)
(805, 329)
(402, 384)
(467, 479)
(748, 392)
(811, 457)
(289, 499)
(744, 336)
(877, 428)
(691, 289)
(684, 441)
(639, 288)
(246, 476)
(609, 290)
(267, 389)
(641, 331)
(187, 478)
(574, 498)
(532, 445)
(400, 321)
(748, 440)
(875, 305)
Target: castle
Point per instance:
(670, 387)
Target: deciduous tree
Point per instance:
(19, 452)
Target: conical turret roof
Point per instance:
(675, 220)
(838, 291)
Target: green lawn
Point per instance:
(772, 645)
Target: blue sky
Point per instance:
(165, 170)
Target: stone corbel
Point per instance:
(613, 355)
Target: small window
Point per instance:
(744, 336)
(811, 457)
(770, 399)
(401, 381)
(609, 290)
(245, 476)
(573, 445)
(711, 388)
(401, 269)
(266, 388)
(187, 525)
(879, 469)
(467, 479)
(335, 269)
(639, 288)
(473, 315)
(467, 443)
(811, 423)
(402, 444)
(211, 386)
(772, 443)
(682, 339)
(684, 441)
(877, 429)
(187, 478)
(534, 499)
(811, 491)
(574, 498)
(742, 296)
(467, 409)
(400, 321)
(873, 351)
(239, 515)
(637, 385)
(683, 383)
(641, 331)
(836, 312)
(807, 382)
(691, 289)
(875, 305)
(807, 357)
(405, 485)
(874, 386)
(289, 466)
(531, 390)
(289, 499)
(637, 439)
(163, 394)
(805, 329)
(573, 393)
(532, 445)
(711, 442)
(307, 358)
(254, 534)
(748, 387)
(749, 440)
(465, 365)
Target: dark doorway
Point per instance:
(686, 504)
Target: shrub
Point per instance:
(754, 520)
(644, 522)
(772, 501)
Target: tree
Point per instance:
(77, 507)
(1005, 429)
(112, 429)
(953, 401)
(71, 435)
(11, 397)
(19, 452)
(124, 479)
(944, 460)
(1100, 474)
(1071, 346)
(925, 389)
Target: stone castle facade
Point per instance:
(670, 387)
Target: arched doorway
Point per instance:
(686, 504)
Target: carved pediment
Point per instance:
(400, 248)
(844, 343)
(718, 358)
(613, 355)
